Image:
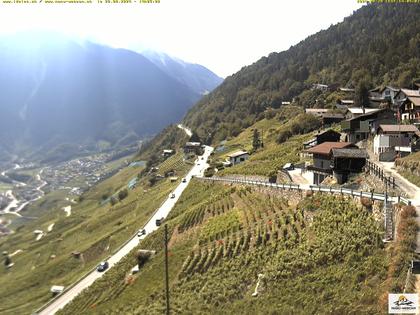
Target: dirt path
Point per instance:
(298, 178)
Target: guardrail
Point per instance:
(327, 189)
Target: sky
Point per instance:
(223, 35)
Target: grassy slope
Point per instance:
(92, 229)
(409, 167)
(222, 237)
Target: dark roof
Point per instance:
(368, 114)
(333, 115)
(328, 131)
(238, 153)
(326, 147)
(350, 153)
(389, 87)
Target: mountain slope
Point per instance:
(198, 78)
(56, 90)
(378, 43)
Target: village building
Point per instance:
(344, 104)
(317, 112)
(192, 147)
(167, 152)
(403, 94)
(329, 135)
(353, 112)
(338, 159)
(393, 141)
(238, 157)
(388, 93)
(318, 86)
(361, 127)
(409, 110)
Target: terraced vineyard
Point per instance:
(326, 260)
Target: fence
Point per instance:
(376, 170)
(314, 188)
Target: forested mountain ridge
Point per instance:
(379, 43)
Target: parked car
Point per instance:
(159, 221)
(102, 266)
(172, 195)
(141, 232)
(184, 180)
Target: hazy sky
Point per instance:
(223, 35)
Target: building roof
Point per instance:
(317, 110)
(359, 110)
(347, 101)
(346, 89)
(399, 129)
(326, 147)
(370, 113)
(412, 93)
(414, 100)
(333, 115)
(193, 144)
(327, 131)
(389, 87)
(168, 151)
(238, 153)
(350, 153)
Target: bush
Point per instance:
(122, 194)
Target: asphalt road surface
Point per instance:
(197, 170)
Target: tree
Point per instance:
(256, 142)
(122, 194)
(362, 94)
(113, 201)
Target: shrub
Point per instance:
(122, 194)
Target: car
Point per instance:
(202, 158)
(141, 232)
(159, 221)
(172, 196)
(184, 180)
(198, 164)
(102, 266)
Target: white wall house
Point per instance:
(238, 157)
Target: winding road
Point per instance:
(61, 300)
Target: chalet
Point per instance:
(362, 126)
(192, 147)
(167, 152)
(353, 112)
(326, 136)
(336, 158)
(344, 104)
(403, 94)
(332, 118)
(327, 117)
(395, 140)
(388, 93)
(409, 110)
(238, 157)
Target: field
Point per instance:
(75, 243)
(327, 260)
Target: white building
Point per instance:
(238, 157)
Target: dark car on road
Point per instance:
(102, 266)
(159, 221)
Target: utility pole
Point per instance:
(166, 270)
